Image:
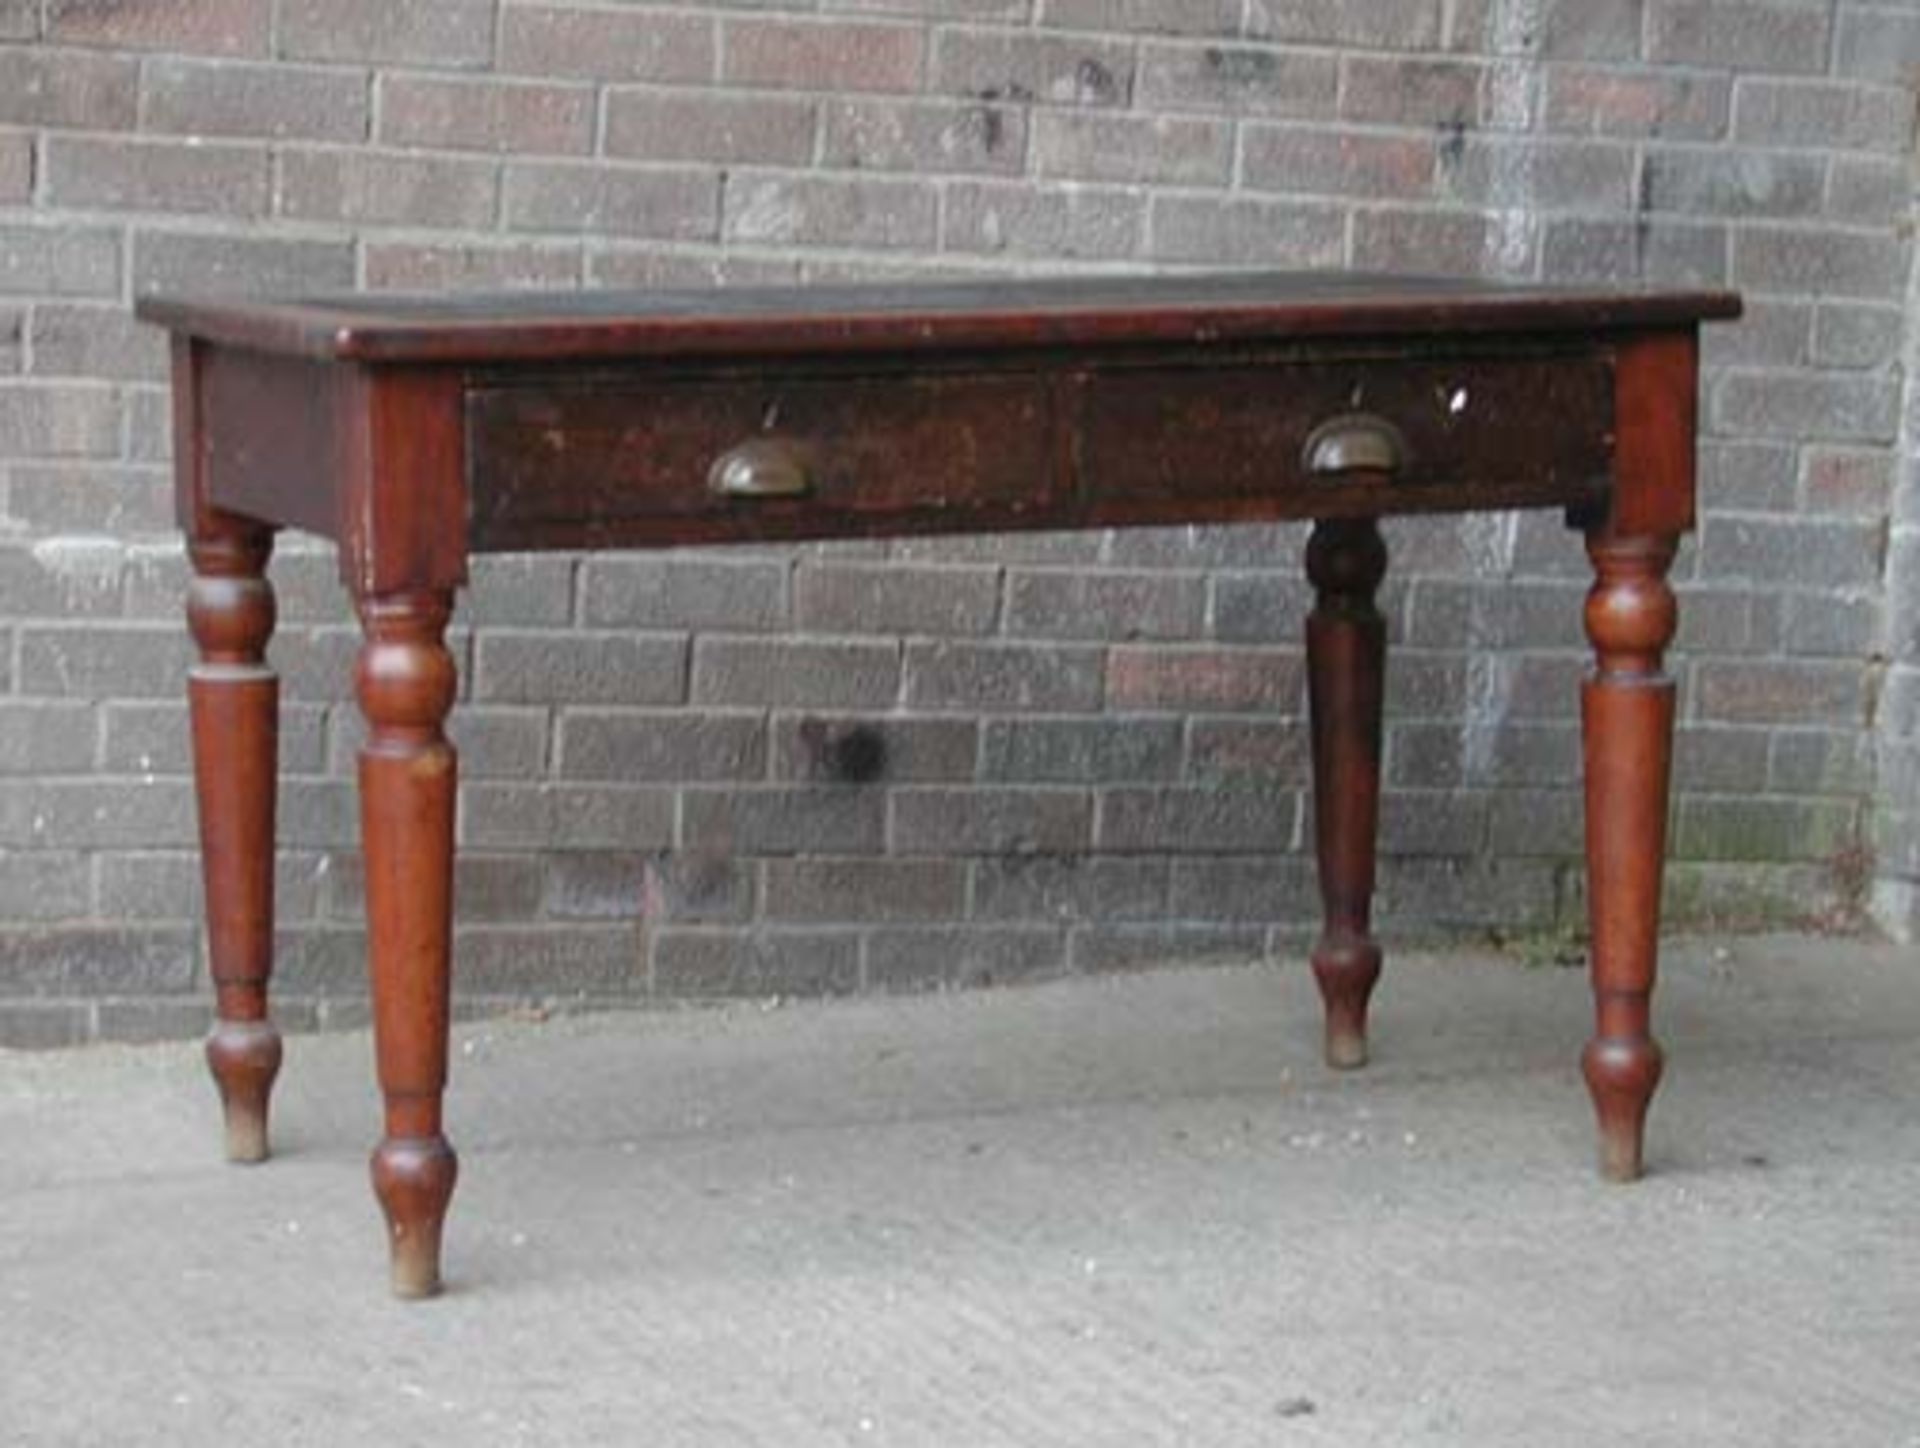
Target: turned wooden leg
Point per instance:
(234, 700)
(1346, 661)
(1627, 704)
(405, 683)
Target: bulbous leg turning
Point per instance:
(1346, 671)
(234, 700)
(1627, 708)
(405, 683)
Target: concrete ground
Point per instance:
(1120, 1211)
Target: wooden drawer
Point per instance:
(591, 458)
(1476, 432)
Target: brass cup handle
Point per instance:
(1355, 442)
(762, 468)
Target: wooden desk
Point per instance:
(414, 432)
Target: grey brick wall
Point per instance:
(932, 763)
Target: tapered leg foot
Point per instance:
(234, 701)
(413, 1177)
(405, 682)
(244, 1057)
(1622, 1076)
(1346, 670)
(1627, 708)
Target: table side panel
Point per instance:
(270, 441)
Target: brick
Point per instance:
(1868, 190)
(1002, 677)
(1117, 606)
(783, 820)
(1146, 947)
(1275, 888)
(704, 593)
(710, 963)
(1081, 750)
(812, 55)
(924, 136)
(1261, 608)
(545, 668)
(1879, 45)
(1203, 679)
(546, 816)
(1434, 242)
(422, 32)
(1241, 79)
(1826, 262)
(1603, 102)
(829, 211)
(895, 599)
(1847, 627)
(1212, 821)
(1746, 183)
(1011, 65)
(223, 98)
(969, 958)
(1545, 174)
(1163, 150)
(16, 167)
(1232, 750)
(149, 1022)
(1412, 92)
(243, 265)
(40, 885)
(672, 747)
(466, 266)
(649, 269)
(1246, 232)
(496, 743)
(45, 737)
(1848, 482)
(868, 749)
(19, 19)
(1336, 163)
(1169, 17)
(1774, 692)
(1827, 554)
(674, 205)
(683, 125)
(1842, 407)
(44, 1025)
(68, 88)
(607, 45)
(1762, 829)
(58, 420)
(1395, 24)
(987, 821)
(1060, 222)
(1771, 333)
(1654, 251)
(390, 190)
(86, 341)
(683, 887)
(803, 673)
(1069, 888)
(1739, 34)
(885, 891)
(208, 27)
(486, 115)
(177, 176)
(1838, 114)
(84, 814)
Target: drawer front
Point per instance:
(1474, 432)
(560, 463)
